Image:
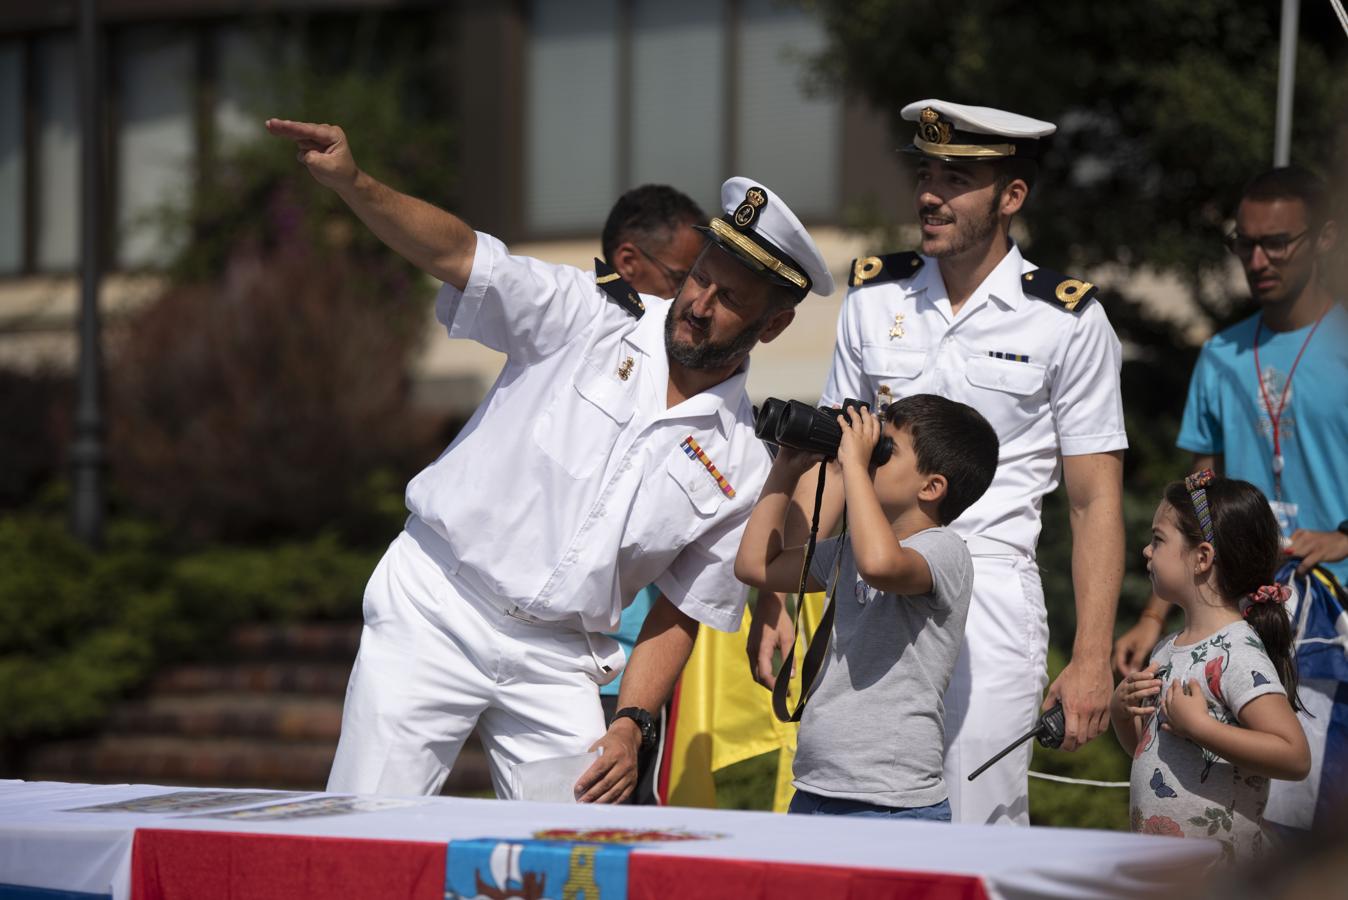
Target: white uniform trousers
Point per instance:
(434, 661)
(995, 693)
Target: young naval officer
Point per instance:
(615, 450)
(971, 319)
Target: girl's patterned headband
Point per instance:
(1195, 485)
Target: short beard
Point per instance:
(712, 355)
(974, 232)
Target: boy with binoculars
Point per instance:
(872, 736)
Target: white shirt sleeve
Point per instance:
(520, 306)
(701, 581)
(845, 377)
(1086, 396)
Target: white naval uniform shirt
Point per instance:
(1064, 400)
(570, 489)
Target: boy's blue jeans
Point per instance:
(812, 804)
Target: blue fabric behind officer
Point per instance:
(634, 616)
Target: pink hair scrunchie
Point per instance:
(1269, 593)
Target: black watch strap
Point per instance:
(645, 724)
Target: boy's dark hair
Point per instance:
(950, 439)
(1291, 183)
(648, 214)
(1246, 551)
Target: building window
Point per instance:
(628, 92)
(156, 140)
(678, 96)
(572, 162)
(12, 172)
(58, 151)
(784, 136)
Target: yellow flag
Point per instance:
(721, 716)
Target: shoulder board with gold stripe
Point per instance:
(1070, 293)
(619, 291)
(890, 267)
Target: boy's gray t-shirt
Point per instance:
(873, 729)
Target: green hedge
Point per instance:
(79, 629)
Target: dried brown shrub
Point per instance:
(261, 403)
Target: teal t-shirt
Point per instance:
(1226, 414)
(634, 616)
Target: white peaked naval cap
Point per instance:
(760, 230)
(954, 131)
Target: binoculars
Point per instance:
(790, 423)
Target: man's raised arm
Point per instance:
(437, 242)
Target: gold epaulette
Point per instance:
(890, 267)
(619, 291)
(1070, 293)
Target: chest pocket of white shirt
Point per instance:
(896, 368)
(695, 482)
(580, 426)
(1013, 392)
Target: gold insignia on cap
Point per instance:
(932, 128)
(1070, 291)
(754, 200)
(868, 268)
(747, 248)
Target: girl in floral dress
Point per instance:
(1208, 721)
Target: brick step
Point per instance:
(232, 762)
(255, 715)
(335, 641)
(322, 678)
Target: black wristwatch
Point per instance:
(644, 722)
(1343, 527)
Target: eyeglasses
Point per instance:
(1276, 247)
(674, 276)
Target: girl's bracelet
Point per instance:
(1153, 614)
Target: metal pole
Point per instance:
(1287, 76)
(86, 450)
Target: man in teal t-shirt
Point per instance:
(1226, 416)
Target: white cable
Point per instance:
(1065, 780)
(1343, 16)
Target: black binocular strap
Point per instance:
(814, 654)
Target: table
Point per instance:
(165, 842)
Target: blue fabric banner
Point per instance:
(505, 869)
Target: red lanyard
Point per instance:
(1275, 417)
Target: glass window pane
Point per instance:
(257, 69)
(155, 139)
(678, 96)
(58, 141)
(571, 160)
(240, 85)
(11, 157)
(785, 137)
